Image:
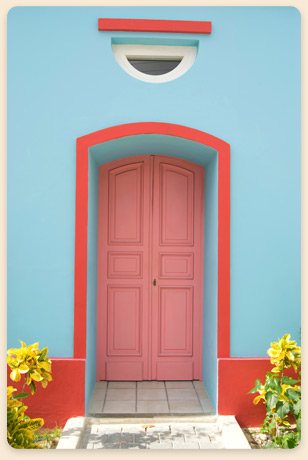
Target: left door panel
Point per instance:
(123, 273)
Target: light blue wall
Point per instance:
(92, 278)
(209, 376)
(244, 88)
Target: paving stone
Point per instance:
(152, 407)
(123, 394)
(101, 384)
(133, 446)
(144, 394)
(210, 445)
(151, 385)
(143, 438)
(184, 394)
(89, 445)
(165, 445)
(207, 406)
(201, 391)
(196, 437)
(109, 446)
(179, 385)
(114, 438)
(119, 407)
(98, 395)
(198, 384)
(127, 437)
(190, 445)
(122, 385)
(185, 407)
(184, 429)
(98, 443)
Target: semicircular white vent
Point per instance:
(155, 63)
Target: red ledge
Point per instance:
(236, 377)
(155, 25)
(64, 396)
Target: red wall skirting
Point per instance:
(154, 25)
(132, 129)
(64, 396)
(236, 376)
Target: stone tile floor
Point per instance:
(149, 398)
(153, 436)
(197, 431)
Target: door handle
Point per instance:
(154, 282)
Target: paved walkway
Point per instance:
(161, 432)
(149, 398)
(153, 436)
(152, 415)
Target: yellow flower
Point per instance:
(30, 361)
(285, 354)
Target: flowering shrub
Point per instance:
(281, 394)
(36, 367)
(20, 432)
(32, 362)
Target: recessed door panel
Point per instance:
(176, 205)
(176, 265)
(125, 204)
(150, 269)
(124, 264)
(175, 321)
(124, 307)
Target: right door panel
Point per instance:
(177, 269)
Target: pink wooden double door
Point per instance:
(150, 269)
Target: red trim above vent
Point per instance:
(154, 25)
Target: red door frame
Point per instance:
(81, 221)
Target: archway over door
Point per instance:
(187, 143)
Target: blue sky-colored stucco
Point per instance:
(63, 82)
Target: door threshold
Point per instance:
(187, 399)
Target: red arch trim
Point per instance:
(81, 221)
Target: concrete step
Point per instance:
(157, 432)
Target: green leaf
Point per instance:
(275, 385)
(288, 381)
(289, 441)
(293, 394)
(296, 408)
(282, 409)
(43, 354)
(299, 427)
(33, 388)
(21, 395)
(271, 399)
(258, 385)
(270, 445)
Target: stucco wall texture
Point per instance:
(244, 87)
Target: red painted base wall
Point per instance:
(236, 376)
(63, 398)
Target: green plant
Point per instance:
(48, 438)
(20, 432)
(36, 367)
(281, 395)
(32, 363)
